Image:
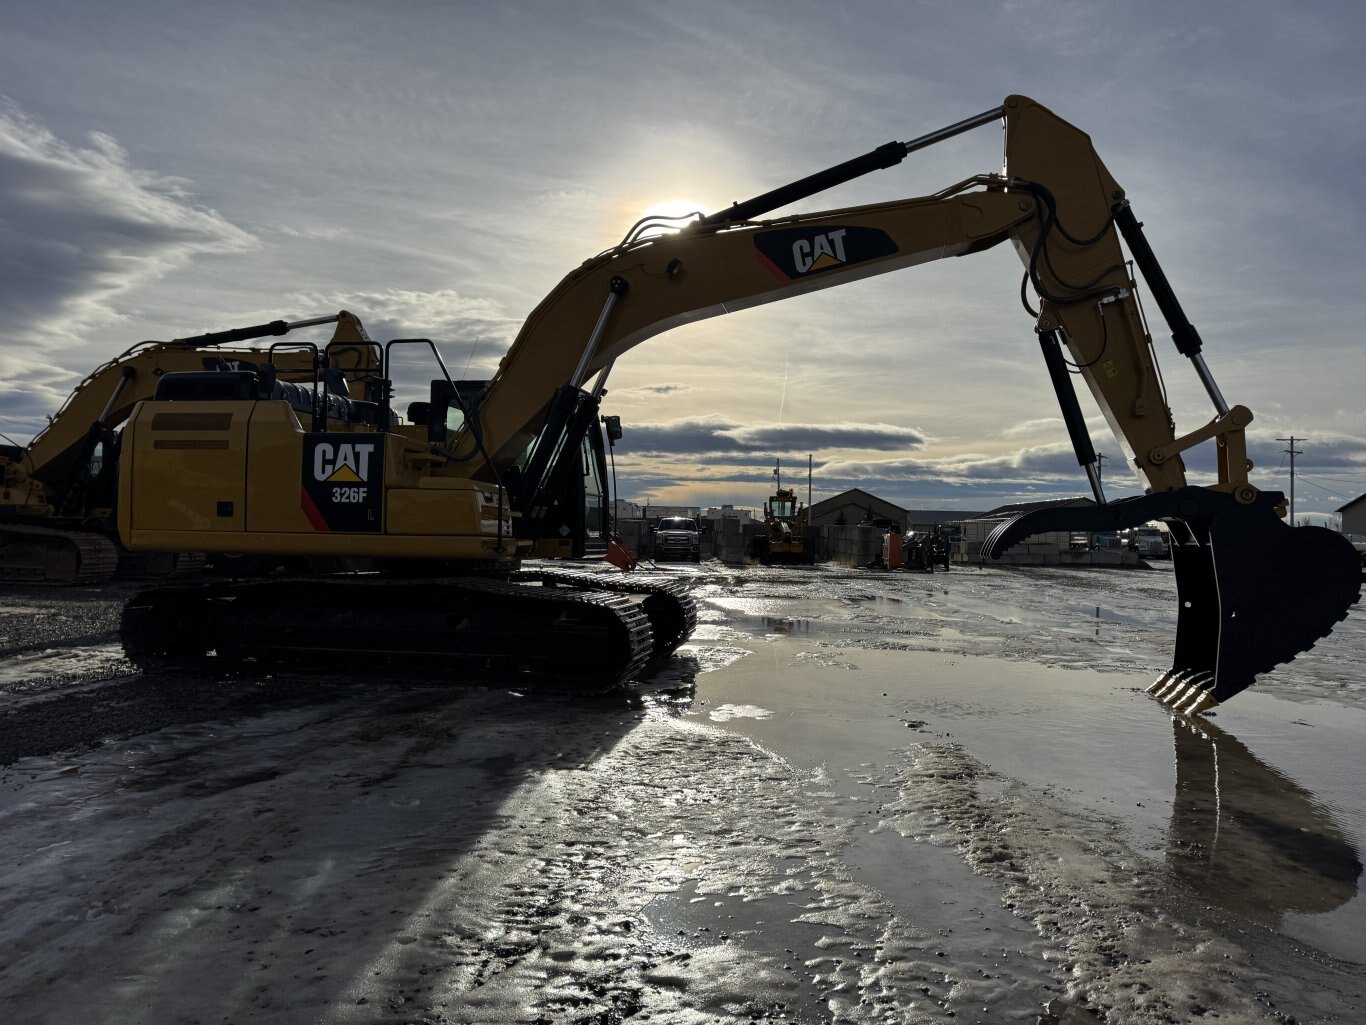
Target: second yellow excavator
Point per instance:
(485, 475)
(58, 493)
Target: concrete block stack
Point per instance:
(850, 546)
(728, 540)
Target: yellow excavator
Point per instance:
(59, 492)
(460, 496)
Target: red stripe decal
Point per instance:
(311, 511)
(771, 267)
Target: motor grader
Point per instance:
(453, 503)
(784, 538)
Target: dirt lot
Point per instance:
(853, 797)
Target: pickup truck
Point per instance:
(678, 537)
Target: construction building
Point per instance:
(1354, 516)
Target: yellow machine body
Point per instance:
(246, 477)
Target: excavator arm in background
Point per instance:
(60, 491)
(1241, 610)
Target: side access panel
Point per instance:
(185, 469)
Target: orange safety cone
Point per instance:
(620, 556)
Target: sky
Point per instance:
(170, 168)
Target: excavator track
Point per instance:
(46, 555)
(672, 611)
(557, 633)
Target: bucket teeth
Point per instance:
(1184, 691)
(1201, 702)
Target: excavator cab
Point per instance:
(559, 485)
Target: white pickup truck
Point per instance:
(678, 537)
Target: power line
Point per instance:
(1344, 480)
(1318, 483)
(1292, 452)
(1313, 483)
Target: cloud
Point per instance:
(1323, 451)
(1024, 428)
(1034, 465)
(472, 333)
(709, 436)
(652, 390)
(80, 224)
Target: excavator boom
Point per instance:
(475, 481)
(1064, 213)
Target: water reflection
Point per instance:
(786, 627)
(1248, 838)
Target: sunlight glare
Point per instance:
(671, 214)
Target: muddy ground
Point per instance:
(853, 797)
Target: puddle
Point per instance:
(725, 713)
(1247, 837)
(32, 667)
(1270, 830)
(998, 961)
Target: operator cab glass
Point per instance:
(594, 488)
(783, 508)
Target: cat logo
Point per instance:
(342, 463)
(792, 253)
(818, 253)
(342, 475)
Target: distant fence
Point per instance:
(728, 540)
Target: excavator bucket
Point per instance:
(1251, 591)
(1251, 594)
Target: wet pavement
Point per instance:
(852, 797)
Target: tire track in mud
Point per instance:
(723, 895)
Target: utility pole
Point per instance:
(1292, 451)
(1100, 467)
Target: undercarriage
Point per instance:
(555, 631)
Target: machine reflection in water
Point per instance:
(1236, 820)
